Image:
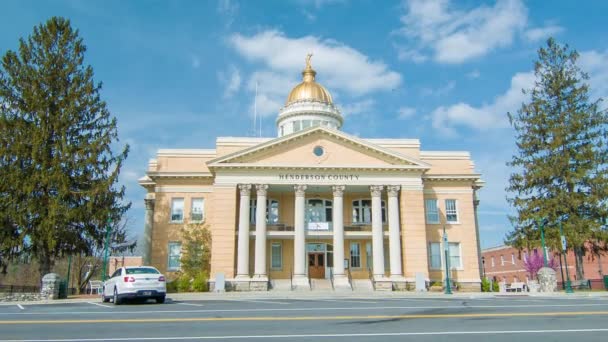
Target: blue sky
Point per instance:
(178, 74)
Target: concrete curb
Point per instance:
(329, 295)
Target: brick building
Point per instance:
(505, 263)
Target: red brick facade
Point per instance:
(504, 263)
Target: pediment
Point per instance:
(298, 150)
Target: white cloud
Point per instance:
(339, 67)
(596, 65)
(538, 33)
(493, 115)
(406, 112)
(441, 91)
(231, 81)
(359, 107)
(455, 36)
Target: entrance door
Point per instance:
(316, 265)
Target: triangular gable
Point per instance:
(280, 150)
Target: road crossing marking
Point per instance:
(102, 305)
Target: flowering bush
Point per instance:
(535, 262)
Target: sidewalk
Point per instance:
(303, 294)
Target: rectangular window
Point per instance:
(276, 258)
(455, 257)
(493, 262)
(197, 212)
(297, 126)
(175, 253)
(355, 255)
(502, 260)
(177, 210)
(432, 214)
(525, 256)
(512, 258)
(451, 211)
(305, 124)
(435, 255)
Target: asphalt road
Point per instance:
(313, 319)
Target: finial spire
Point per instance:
(308, 75)
(308, 57)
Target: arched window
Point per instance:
(362, 211)
(272, 210)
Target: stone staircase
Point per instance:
(320, 285)
(362, 285)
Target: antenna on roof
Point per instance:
(255, 108)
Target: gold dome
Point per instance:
(309, 90)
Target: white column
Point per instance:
(260, 231)
(242, 266)
(394, 236)
(338, 221)
(148, 226)
(299, 241)
(377, 234)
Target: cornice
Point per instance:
(189, 175)
(245, 166)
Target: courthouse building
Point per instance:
(316, 203)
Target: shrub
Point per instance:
(183, 283)
(172, 287)
(495, 287)
(199, 284)
(485, 285)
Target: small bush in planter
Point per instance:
(485, 285)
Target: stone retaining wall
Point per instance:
(22, 297)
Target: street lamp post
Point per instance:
(446, 250)
(565, 253)
(105, 253)
(541, 226)
(483, 262)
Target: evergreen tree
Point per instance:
(560, 169)
(58, 172)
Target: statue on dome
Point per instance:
(308, 56)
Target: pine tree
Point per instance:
(560, 169)
(58, 172)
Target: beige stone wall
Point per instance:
(462, 232)
(165, 231)
(450, 166)
(182, 163)
(413, 235)
(223, 219)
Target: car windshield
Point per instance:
(141, 270)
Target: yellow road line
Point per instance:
(308, 318)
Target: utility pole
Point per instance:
(541, 225)
(565, 253)
(446, 250)
(105, 248)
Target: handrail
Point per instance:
(309, 281)
(331, 277)
(350, 279)
(371, 278)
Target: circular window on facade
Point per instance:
(318, 151)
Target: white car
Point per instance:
(135, 282)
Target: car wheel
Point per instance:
(116, 299)
(160, 300)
